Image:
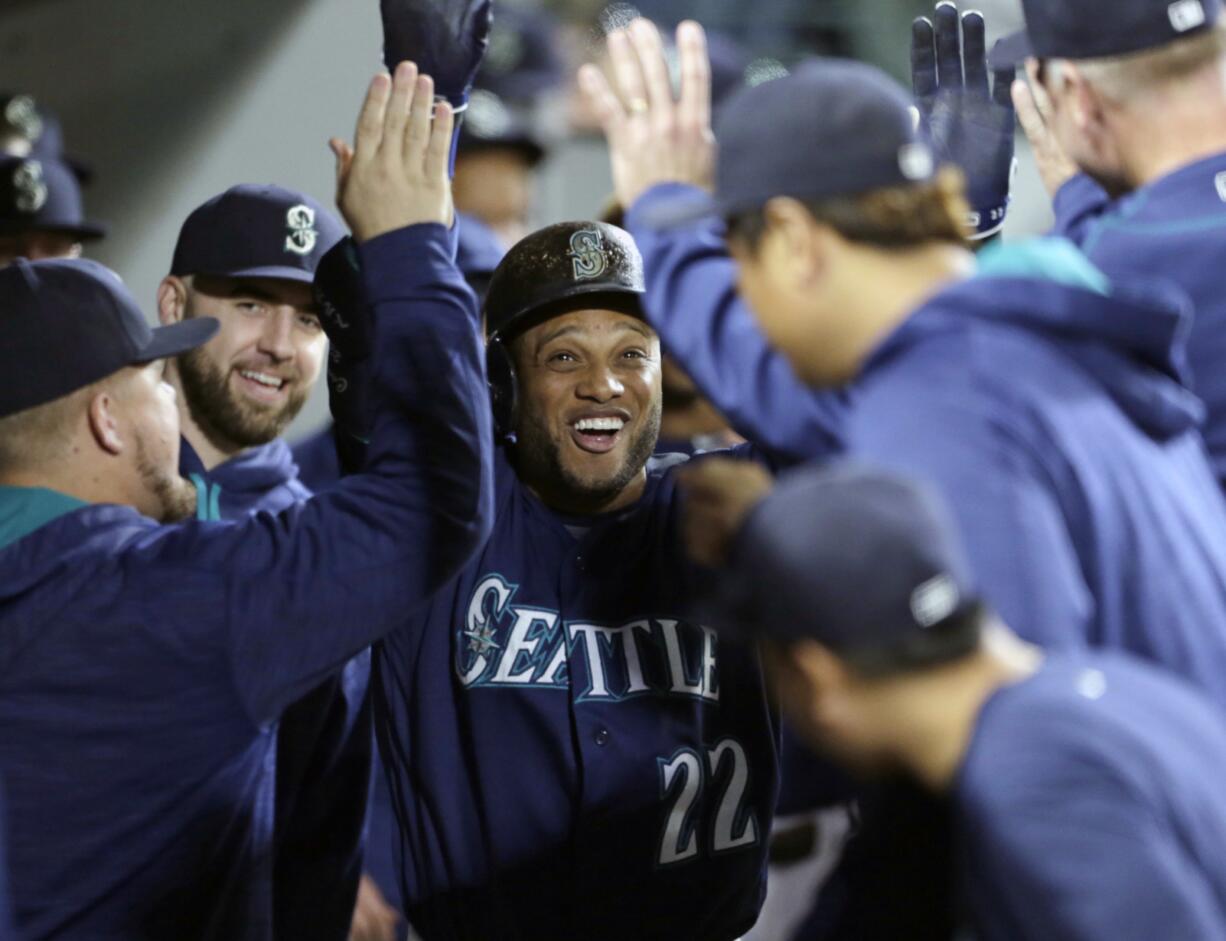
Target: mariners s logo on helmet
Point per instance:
(31, 191)
(300, 221)
(588, 254)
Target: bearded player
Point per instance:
(570, 752)
(247, 258)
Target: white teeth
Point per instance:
(600, 424)
(262, 378)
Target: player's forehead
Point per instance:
(588, 324)
(271, 290)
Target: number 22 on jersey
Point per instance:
(693, 783)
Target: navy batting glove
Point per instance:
(968, 124)
(346, 320)
(446, 38)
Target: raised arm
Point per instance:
(662, 152)
(297, 594)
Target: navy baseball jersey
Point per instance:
(571, 755)
(1173, 228)
(1090, 805)
(1099, 524)
(143, 667)
(324, 741)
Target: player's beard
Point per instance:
(228, 421)
(539, 459)
(175, 496)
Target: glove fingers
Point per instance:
(949, 51)
(1002, 82)
(923, 58)
(975, 53)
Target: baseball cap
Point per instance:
(27, 120)
(1090, 29)
(42, 194)
(256, 231)
(69, 322)
(491, 124)
(832, 127)
(865, 562)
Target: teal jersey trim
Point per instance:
(25, 509)
(208, 499)
(1048, 259)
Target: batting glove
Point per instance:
(968, 124)
(446, 38)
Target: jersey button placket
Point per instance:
(601, 737)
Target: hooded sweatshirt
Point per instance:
(143, 668)
(1050, 407)
(263, 478)
(1051, 413)
(1172, 228)
(324, 740)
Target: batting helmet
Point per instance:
(563, 267)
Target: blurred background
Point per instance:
(165, 103)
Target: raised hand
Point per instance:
(396, 173)
(653, 138)
(446, 38)
(968, 123)
(1034, 115)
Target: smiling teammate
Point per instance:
(569, 754)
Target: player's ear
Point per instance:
(796, 244)
(172, 300)
(103, 422)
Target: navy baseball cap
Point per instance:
(1091, 29)
(253, 231)
(865, 562)
(69, 322)
(41, 194)
(492, 124)
(25, 119)
(832, 127)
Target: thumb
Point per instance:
(344, 157)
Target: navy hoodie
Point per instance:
(143, 667)
(324, 741)
(1047, 404)
(1172, 228)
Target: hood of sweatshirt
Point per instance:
(1131, 336)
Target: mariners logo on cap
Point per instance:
(1186, 15)
(588, 254)
(934, 601)
(302, 235)
(31, 191)
(22, 115)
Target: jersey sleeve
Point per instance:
(1077, 205)
(1017, 544)
(296, 594)
(693, 303)
(1069, 849)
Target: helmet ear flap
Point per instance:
(504, 388)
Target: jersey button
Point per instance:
(602, 736)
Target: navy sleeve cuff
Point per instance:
(639, 215)
(398, 264)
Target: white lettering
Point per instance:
(523, 639)
(595, 665)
